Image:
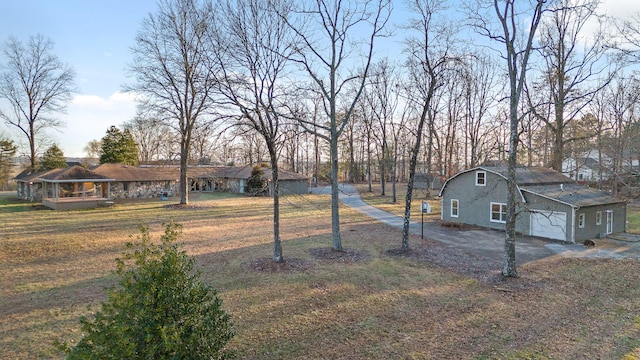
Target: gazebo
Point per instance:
(75, 188)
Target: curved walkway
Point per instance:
(487, 242)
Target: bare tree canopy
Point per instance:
(503, 22)
(257, 43)
(37, 85)
(430, 51)
(574, 70)
(329, 45)
(173, 71)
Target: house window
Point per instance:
(125, 186)
(454, 208)
(599, 218)
(498, 212)
(581, 221)
(481, 178)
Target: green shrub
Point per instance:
(256, 185)
(160, 310)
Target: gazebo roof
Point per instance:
(73, 173)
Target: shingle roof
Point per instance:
(234, 172)
(573, 194)
(533, 175)
(30, 175)
(75, 172)
(121, 172)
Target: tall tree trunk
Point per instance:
(277, 244)
(335, 203)
(412, 167)
(509, 263)
(369, 160)
(184, 181)
(558, 138)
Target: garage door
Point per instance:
(549, 224)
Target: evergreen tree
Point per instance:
(256, 185)
(119, 147)
(53, 158)
(160, 309)
(7, 151)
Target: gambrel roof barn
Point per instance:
(549, 204)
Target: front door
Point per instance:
(609, 221)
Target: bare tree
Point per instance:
(328, 30)
(149, 134)
(382, 99)
(571, 67)
(173, 71)
(629, 41)
(518, 45)
(93, 149)
(257, 43)
(37, 85)
(481, 88)
(429, 53)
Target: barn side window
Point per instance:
(498, 212)
(481, 178)
(454, 207)
(599, 218)
(581, 219)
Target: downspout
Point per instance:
(573, 223)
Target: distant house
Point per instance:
(594, 166)
(234, 180)
(584, 169)
(109, 182)
(550, 205)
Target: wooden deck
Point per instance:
(75, 203)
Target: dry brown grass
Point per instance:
(365, 305)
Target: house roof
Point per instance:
(532, 175)
(121, 172)
(573, 194)
(549, 184)
(244, 172)
(29, 174)
(75, 172)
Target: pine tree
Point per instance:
(53, 158)
(7, 151)
(119, 147)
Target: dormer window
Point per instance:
(481, 178)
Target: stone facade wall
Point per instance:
(30, 192)
(142, 189)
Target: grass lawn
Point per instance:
(56, 265)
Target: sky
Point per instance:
(94, 37)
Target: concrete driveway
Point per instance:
(490, 243)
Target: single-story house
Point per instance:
(74, 188)
(117, 181)
(549, 204)
(133, 182)
(234, 180)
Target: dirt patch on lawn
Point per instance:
(478, 267)
(345, 256)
